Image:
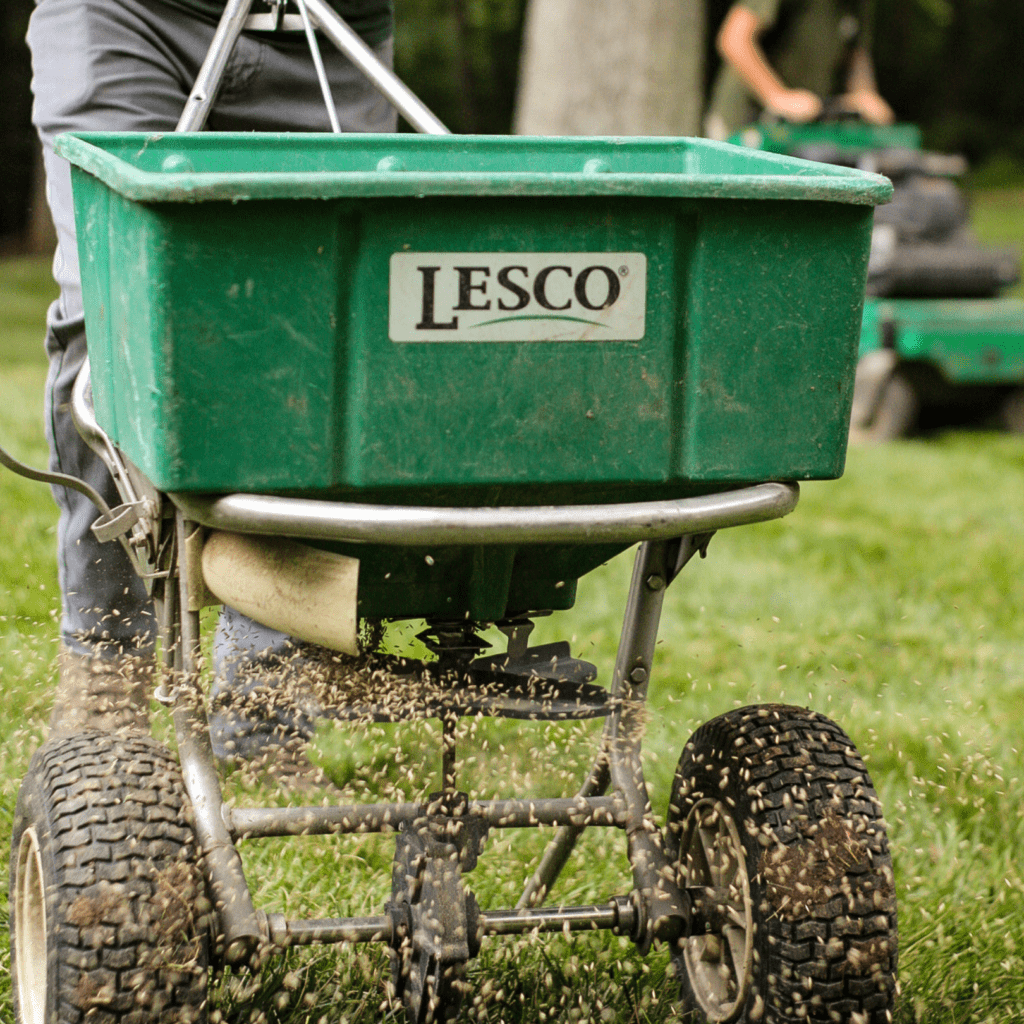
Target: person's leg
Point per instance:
(97, 65)
(84, 54)
(129, 67)
(258, 700)
(273, 88)
(93, 68)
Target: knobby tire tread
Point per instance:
(796, 786)
(126, 907)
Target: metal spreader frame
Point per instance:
(442, 836)
(165, 530)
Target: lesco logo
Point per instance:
(501, 296)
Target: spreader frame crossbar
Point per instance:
(268, 822)
(618, 915)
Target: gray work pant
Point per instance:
(128, 65)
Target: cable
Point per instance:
(57, 479)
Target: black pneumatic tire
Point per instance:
(1012, 412)
(107, 902)
(774, 804)
(897, 411)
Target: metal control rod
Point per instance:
(551, 919)
(615, 915)
(328, 930)
(263, 822)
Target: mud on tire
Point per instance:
(811, 867)
(107, 903)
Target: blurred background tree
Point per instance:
(956, 67)
(951, 66)
(462, 59)
(602, 67)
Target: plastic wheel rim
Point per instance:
(719, 967)
(30, 925)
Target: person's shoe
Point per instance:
(106, 694)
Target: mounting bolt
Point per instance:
(656, 582)
(639, 674)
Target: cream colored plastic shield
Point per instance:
(305, 592)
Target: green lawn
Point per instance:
(891, 600)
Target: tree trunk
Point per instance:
(611, 67)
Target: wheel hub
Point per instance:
(30, 931)
(719, 965)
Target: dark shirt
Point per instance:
(807, 42)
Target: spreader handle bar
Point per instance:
(325, 18)
(385, 81)
(415, 526)
(200, 100)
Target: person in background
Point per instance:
(784, 58)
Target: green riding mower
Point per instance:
(940, 340)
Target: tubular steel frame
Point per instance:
(669, 532)
(656, 908)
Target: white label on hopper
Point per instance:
(502, 296)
